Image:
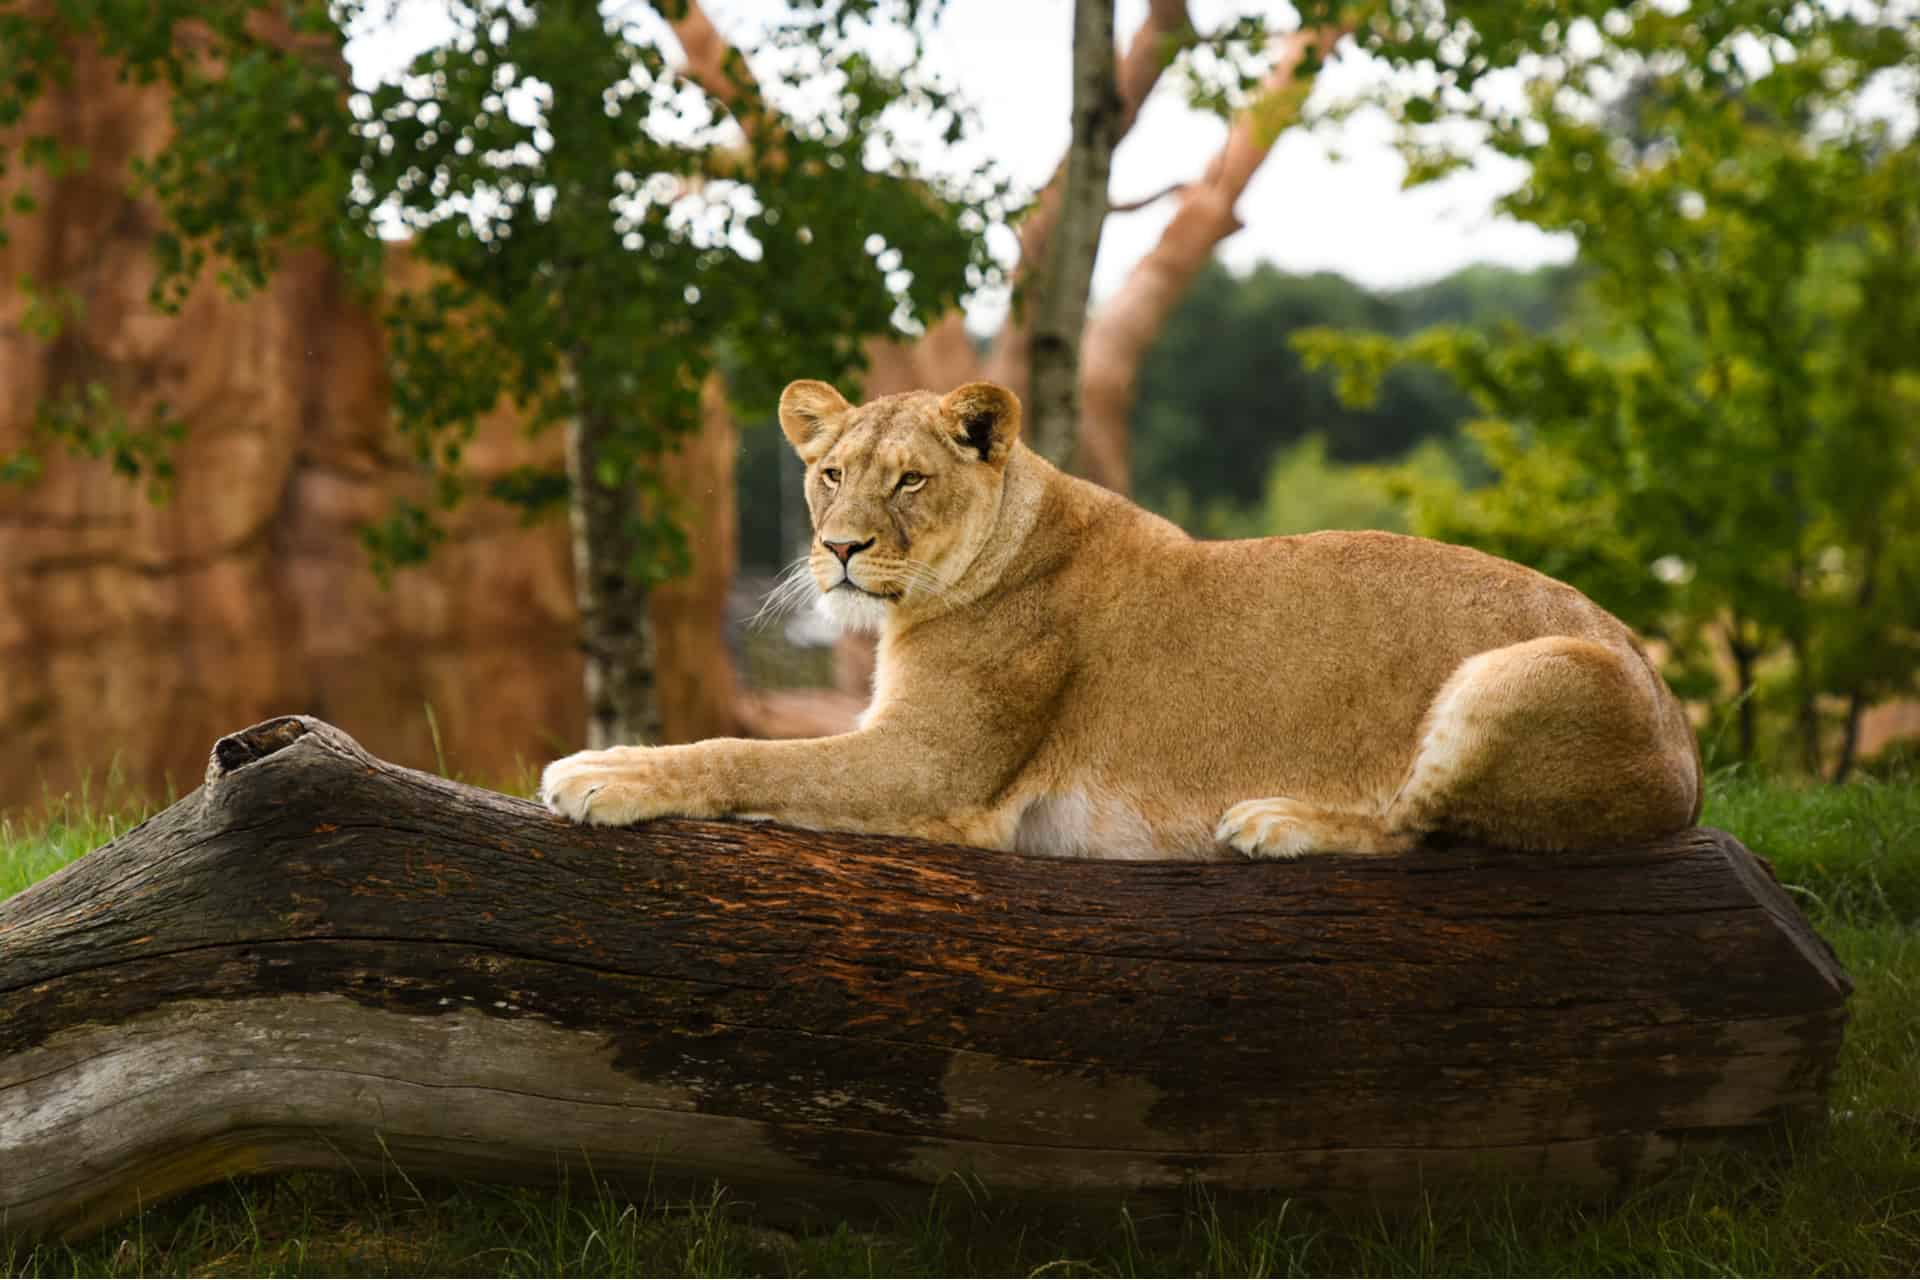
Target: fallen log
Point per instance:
(323, 960)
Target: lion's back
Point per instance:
(1194, 660)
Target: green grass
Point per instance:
(1841, 1201)
(1848, 852)
(34, 844)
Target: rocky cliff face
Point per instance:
(138, 633)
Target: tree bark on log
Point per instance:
(322, 960)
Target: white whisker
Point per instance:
(795, 586)
(904, 577)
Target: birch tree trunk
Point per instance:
(1059, 298)
(616, 630)
(698, 690)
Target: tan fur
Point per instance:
(1062, 672)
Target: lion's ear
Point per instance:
(984, 418)
(806, 408)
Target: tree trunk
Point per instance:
(616, 631)
(1806, 717)
(1059, 304)
(319, 960)
(1849, 738)
(1743, 692)
(698, 689)
(1124, 328)
(1857, 698)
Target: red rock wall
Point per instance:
(138, 633)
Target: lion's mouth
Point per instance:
(850, 585)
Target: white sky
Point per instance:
(1304, 211)
(1330, 200)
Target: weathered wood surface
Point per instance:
(320, 959)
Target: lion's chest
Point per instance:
(1075, 824)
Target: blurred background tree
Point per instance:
(1224, 393)
(601, 223)
(1724, 445)
(1705, 420)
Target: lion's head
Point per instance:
(903, 491)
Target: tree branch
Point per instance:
(1122, 329)
(1134, 206)
(714, 64)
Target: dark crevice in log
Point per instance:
(321, 960)
(238, 750)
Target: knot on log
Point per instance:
(238, 750)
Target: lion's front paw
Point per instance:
(604, 788)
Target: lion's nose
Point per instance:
(846, 550)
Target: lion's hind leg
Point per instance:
(1277, 827)
(1555, 743)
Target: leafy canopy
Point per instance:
(599, 229)
(1727, 450)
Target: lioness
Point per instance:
(1062, 672)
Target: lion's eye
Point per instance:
(831, 475)
(910, 481)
